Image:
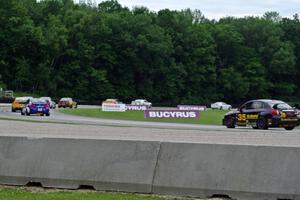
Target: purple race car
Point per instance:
(36, 106)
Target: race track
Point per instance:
(57, 116)
(60, 125)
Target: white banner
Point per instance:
(111, 107)
(191, 107)
(136, 108)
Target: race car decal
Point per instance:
(244, 117)
(289, 120)
(251, 116)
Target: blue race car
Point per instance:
(36, 106)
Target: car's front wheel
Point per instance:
(229, 122)
(27, 111)
(262, 123)
(23, 111)
(289, 128)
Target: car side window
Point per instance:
(257, 105)
(245, 107)
(242, 107)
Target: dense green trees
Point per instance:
(58, 48)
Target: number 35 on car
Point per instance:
(262, 114)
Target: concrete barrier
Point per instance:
(200, 170)
(241, 172)
(69, 163)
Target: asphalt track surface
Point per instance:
(59, 125)
(59, 117)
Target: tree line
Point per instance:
(59, 48)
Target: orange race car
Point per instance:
(112, 101)
(19, 103)
(67, 103)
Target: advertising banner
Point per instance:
(171, 114)
(135, 107)
(111, 107)
(191, 107)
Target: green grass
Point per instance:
(209, 117)
(42, 194)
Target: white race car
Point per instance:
(221, 106)
(141, 102)
(51, 103)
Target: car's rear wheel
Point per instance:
(262, 123)
(47, 114)
(229, 122)
(289, 128)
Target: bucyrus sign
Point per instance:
(171, 114)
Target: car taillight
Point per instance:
(33, 106)
(275, 112)
(46, 106)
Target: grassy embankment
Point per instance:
(41, 194)
(209, 117)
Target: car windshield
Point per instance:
(22, 99)
(46, 98)
(65, 99)
(38, 101)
